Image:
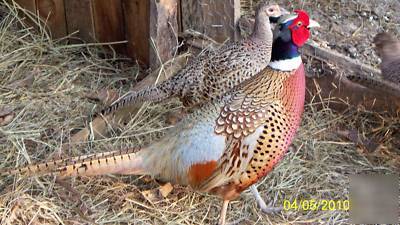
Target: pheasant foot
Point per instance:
(261, 203)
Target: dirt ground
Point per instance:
(45, 85)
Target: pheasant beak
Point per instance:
(313, 24)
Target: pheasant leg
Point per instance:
(222, 217)
(261, 203)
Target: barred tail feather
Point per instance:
(116, 162)
(152, 94)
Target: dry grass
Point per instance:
(54, 105)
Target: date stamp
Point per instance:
(316, 205)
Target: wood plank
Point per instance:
(79, 17)
(137, 30)
(215, 19)
(27, 4)
(151, 28)
(109, 22)
(53, 13)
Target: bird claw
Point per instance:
(261, 203)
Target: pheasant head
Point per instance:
(290, 34)
(265, 13)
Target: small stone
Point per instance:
(352, 51)
(386, 18)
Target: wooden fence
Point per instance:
(150, 27)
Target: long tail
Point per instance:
(115, 162)
(153, 94)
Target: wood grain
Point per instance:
(53, 13)
(151, 28)
(216, 19)
(137, 19)
(163, 31)
(109, 22)
(28, 5)
(79, 16)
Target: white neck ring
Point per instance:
(286, 64)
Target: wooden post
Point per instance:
(163, 31)
(151, 27)
(215, 18)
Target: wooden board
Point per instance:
(216, 19)
(29, 6)
(109, 22)
(53, 13)
(79, 16)
(137, 17)
(151, 28)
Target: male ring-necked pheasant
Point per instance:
(215, 72)
(229, 143)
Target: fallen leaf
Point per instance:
(157, 194)
(152, 195)
(6, 116)
(27, 81)
(166, 189)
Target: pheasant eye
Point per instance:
(299, 23)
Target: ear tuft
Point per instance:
(303, 16)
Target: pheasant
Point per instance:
(388, 48)
(215, 72)
(229, 143)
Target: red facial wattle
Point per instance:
(299, 30)
(300, 35)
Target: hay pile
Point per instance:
(51, 103)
